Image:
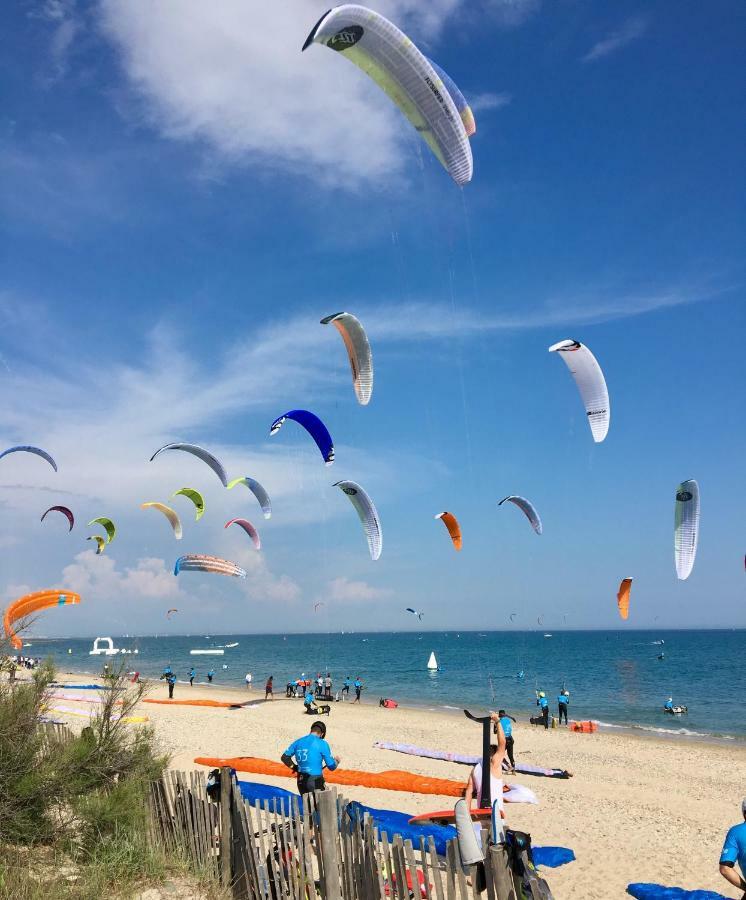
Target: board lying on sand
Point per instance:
(223, 704)
(448, 816)
(393, 780)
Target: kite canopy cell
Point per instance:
(200, 453)
(358, 351)
(31, 603)
(26, 448)
(258, 491)
(390, 58)
(314, 426)
(199, 562)
(451, 523)
(590, 382)
(169, 513)
(528, 508)
(67, 513)
(367, 514)
(686, 527)
(622, 597)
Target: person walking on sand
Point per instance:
(328, 686)
(562, 703)
(358, 689)
(171, 681)
(734, 851)
(211, 675)
(312, 753)
(192, 673)
(346, 686)
(249, 678)
(541, 701)
(506, 722)
(268, 695)
(497, 754)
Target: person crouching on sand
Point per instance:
(734, 851)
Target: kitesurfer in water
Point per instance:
(541, 701)
(211, 675)
(506, 722)
(734, 851)
(312, 753)
(668, 705)
(562, 703)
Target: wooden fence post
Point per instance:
(327, 835)
(503, 878)
(226, 836)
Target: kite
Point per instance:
(390, 59)
(169, 513)
(200, 453)
(358, 351)
(314, 426)
(249, 529)
(31, 603)
(65, 512)
(462, 105)
(196, 499)
(686, 529)
(198, 562)
(540, 620)
(169, 611)
(622, 597)
(100, 543)
(527, 508)
(317, 605)
(107, 525)
(367, 513)
(414, 612)
(257, 490)
(590, 382)
(451, 523)
(25, 448)
(512, 616)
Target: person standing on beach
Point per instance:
(346, 686)
(249, 678)
(171, 680)
(268, 695)
(211, 675)
(319, 684)
(506, 722)
(312, 753)
(328, 686)
(497, 754)
(192, 673)
(734, 851)
(358, 689)
(562, 702)
(541, 701)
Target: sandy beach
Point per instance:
(637, 809)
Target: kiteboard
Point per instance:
(469, 846)
(448, 816)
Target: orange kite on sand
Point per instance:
(224, 704)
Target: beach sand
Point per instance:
(637, 809)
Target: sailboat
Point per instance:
(432, 663)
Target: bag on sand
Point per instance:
(521, 862)
(213, 785)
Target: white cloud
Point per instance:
(629, 31)
(511, 13)
(488, 101)
(345, 590)
(98, 578)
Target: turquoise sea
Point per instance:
(614, 677)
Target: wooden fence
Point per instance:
(267, 852)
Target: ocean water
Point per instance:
(614, 677)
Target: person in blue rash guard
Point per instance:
(734, 851)
(541, 700)
(562, 702)
(668, 704)
(311, 754)
(507, 725)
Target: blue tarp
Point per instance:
(644, 891)
(81, 687)
(390, 822)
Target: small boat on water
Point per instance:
(213, 652)
(547, 635)
(432, 663)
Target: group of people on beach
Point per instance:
(563, 701)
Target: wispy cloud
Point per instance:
(65, 24)
(346, 590)
(489, 101)
(632, 29)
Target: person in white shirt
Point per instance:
(497, 754)
(249, 679)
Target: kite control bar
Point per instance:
(485, 799)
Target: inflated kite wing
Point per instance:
(169, 513)
(67, 513)
(100, 543)
(314, 426)
(528, 508)
(622, 597)
(249, 529)
(358, 351)
(37, 451)
(686, 527)
(195, 497)
(108, 526)
(390, 58)
(414, 612)
(367, 513)
(258, 491)
(454, 529)
(590, 382)
(31, 603)
(200, 453)
(198, 562)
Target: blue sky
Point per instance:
(183, 195)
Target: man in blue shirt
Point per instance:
(346, 686)
(311, 754)
(562, 702)
(507, 725)
(171, 681)
(734, 851)
(358, 689)
(541, 700)
(668, 704)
